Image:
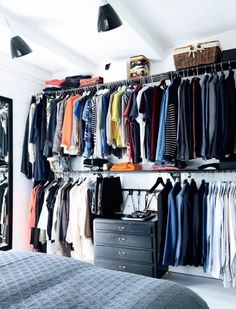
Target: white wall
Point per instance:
(19, 81)
(118, 69)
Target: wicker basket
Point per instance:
(191, 56)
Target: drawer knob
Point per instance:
(122, 253)
(123, 239)
(120, 228)
(122, 267)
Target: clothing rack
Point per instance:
(174, 174)
(188, 72)
(140, 190)
(148, 171)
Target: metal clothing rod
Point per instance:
(140, 190)
(175, 172)
(141, 80)
(188, 72)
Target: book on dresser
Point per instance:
(128, 246)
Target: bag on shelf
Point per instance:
(191, 56)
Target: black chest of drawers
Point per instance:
(128, 246)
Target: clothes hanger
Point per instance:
(123, 205)
(138, 200)
(158, 182)
(148, 202)
(215, 69)
(222, 68)
(162, 82)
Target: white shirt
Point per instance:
(76, 229)
(139, 119)
(31, 146)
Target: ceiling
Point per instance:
(63, 34)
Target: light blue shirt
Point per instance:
(160, 150)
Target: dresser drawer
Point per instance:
(145, 256)
(141, 228)
(123, 240)
(146, 270)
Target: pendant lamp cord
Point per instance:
(8, 24)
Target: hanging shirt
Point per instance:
(146, 109)
(171, 120)
(109, 121)
(211, 201)
(196, 116)
(162, 209)
(78, 111)
(103, 124)
(37, 136)
(51, 128)
(141, 123)
(88, 133)
(116, 118)
(160, 151)
(203, 84)
(26, 166)
(181, 205)
(31, 146)
(218, 232)
(76, 229)
(99, 123)
(184, 123)
(230, 98)
(171, 227)
(68, 123)
(124, 126)
(74, 147)
(212, 112)
(156, 106)
(56, 149)
(217, 149)
(232, 236)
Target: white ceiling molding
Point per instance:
(20, 27)
(138, 26)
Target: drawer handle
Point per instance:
(120, 228)
(122, 253)
(122, 267)
(123, 239)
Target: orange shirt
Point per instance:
(67, 122)
(32, 207)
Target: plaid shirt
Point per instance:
(88, 133)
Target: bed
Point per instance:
(37, 280)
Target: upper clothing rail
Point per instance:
(188, 72)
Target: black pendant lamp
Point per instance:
(107, 18)
(19, 47)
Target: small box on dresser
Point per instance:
(128, 246)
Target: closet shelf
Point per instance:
(198, 70)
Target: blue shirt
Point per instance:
(171, 227)
(160, 150)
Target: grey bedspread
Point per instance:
(34, 280)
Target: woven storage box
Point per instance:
(191, 56)
(139, 66)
